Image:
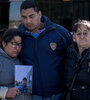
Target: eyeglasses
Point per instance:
(15, 44)
(80, 34)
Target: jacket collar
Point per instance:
(74, 48)
(48, 24)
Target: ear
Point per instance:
(40, 14)
(3, 44)
(74, 39)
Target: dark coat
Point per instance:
(47, 55)
(81, 89)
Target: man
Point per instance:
(44, 48)
(23, 86)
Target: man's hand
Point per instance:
(12, 92)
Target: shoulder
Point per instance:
(71, 48)
(63, 31)
(65, 34)
(2, 59)
(49, 25)
(22, 27)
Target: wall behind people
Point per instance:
(63, 12)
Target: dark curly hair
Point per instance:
(9, 34)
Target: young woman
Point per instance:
(11, 45)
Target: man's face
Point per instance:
(31, 19)
(24, 82)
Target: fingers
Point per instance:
(16, 89)
(15, 92)
(12, 92)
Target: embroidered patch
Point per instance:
(53, 46)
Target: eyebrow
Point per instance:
(15, 41)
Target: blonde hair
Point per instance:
(80, 23)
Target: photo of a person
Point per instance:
(23, 78)
(22, 86)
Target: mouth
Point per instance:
(29, 25)
(15, 52)
(82, 40)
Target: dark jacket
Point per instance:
(47, 55)
(81, 89)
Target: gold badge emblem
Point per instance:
(53, 46)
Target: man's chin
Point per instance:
(30, 29)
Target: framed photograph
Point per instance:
(23, 78)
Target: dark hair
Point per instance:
(81, 23)
(9, 34)
(29, 4)
(24, 79)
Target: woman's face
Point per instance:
(13, 47)
(82, 37)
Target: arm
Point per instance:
(12, 92)
(66, 36)
(3, 91)
(6, 92)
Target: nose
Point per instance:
(28, 20)
(82, 36)
(17, 48)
